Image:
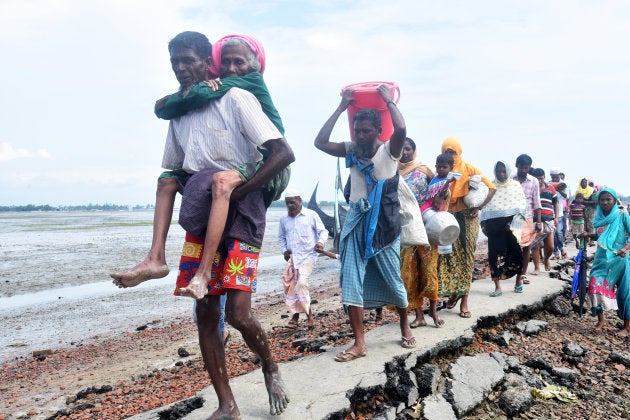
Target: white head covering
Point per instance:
(555, 171)
(291, 192)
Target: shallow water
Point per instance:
(55, 287)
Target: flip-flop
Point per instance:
(518, 288)
(496, 293)
(525, 280)
(346, 356)
(453, 302)
(465, 314)
(408, 343)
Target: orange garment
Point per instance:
(459, 188)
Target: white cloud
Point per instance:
(7, 152)
(545, 78)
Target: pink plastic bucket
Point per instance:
(366, 96)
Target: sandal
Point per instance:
(452, 301)
(408, 343)
(518, 288)
(496, 293)
(465, 314)
(525, 279)
(346, 356)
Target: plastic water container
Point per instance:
(366, 96)
(445, 249)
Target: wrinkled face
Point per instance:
(442, 169)
(188, 67)
(500, 172)
(294, 205)
(555, 177)
(522, 171)
(407, 153)
(234, 61)
(606, 202)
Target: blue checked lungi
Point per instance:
(371, 282)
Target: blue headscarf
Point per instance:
(611, 240)
(613, 220)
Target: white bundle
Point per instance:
(477, 192)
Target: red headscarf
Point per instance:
(250, 41)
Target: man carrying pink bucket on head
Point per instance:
(365, 95)
(370, 238)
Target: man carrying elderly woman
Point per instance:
(248, 132)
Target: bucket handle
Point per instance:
(395, 97)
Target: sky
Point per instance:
(79, 80)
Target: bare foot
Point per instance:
(311, 321)
(196, 289)
(547, 265)
(599, 326)
(142, 272)
(418, 322)
(535, 272)
(623, 333)
(278, 397)
(231, 413)
(436, 319)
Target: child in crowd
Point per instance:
(439, 195)
(576, 211)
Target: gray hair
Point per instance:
(252, 57)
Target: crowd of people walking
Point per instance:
(227, 155)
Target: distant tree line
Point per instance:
(88, 207)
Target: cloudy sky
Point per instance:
(79, 80)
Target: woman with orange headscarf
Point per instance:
(455, 269)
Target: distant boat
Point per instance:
(329, 221)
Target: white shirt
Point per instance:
(300, 234)
(385, 166)
(222, 135)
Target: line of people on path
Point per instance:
(226, 154)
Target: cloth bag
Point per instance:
(412, 231)
(478, 191)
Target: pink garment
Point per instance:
(296, 292)
(251, 42)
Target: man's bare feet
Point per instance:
(599, 326)
(142, 272)
(230, 413)
(278, 396)
(196, 289)
(623, 333)
(535, 272)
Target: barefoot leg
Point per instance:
(434, 313)
(154, 265)
(213, 352)
(239, 315)
(601, 321)
(223, 183)
(625, 331)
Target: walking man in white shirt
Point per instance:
(302, 236)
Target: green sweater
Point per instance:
(201, 94)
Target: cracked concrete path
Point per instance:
(318, 384)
